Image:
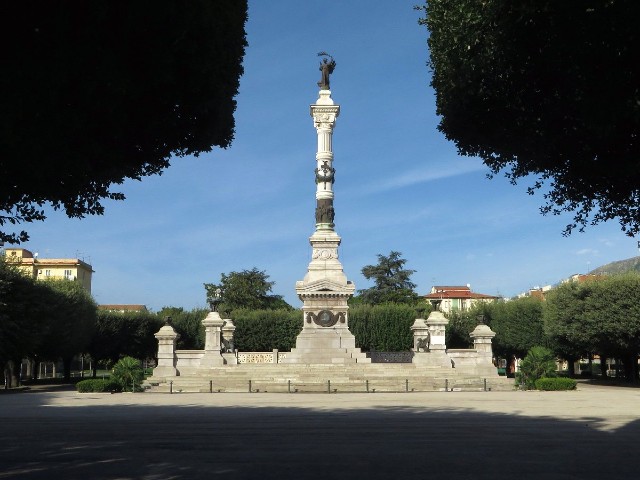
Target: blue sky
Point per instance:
(400, 185)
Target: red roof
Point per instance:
(442, 292)
(440, 287)
(460, 294)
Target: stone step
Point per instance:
(350, 387)
(300, 385)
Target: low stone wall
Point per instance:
(462, 358)
(188, 361)
(472, 361)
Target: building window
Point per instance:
(47, 273)
(67, 274)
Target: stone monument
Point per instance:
(324, 291)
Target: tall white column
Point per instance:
(325, 336)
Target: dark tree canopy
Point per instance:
(548, 89)
(518, 325)
(23, 313)
(392, 281)
(119, 334)
(97, 92)
(187, 324)
(600, 316)
(248, 289)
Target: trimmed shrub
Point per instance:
(264, 330)
(557, 383)
(383, 328)
(98, 385)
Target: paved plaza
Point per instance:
(591, 433)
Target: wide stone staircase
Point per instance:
(302, 378)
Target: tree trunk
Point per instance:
(36, 369)
(10, 378)
(16, 372)
(570, 364)
(6, 375)
(603, 366)
(633, 367)
(67, 368)
(628, 368)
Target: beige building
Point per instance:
(51, 268)
(124, 308)
(457, 298)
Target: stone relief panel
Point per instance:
(255, 357)
(325, 253)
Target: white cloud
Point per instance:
(429, 174)
(606, 242)
(587, 251)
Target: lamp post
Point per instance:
(216, 300)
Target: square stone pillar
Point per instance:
(212, 345)
(167, 338)
(482, 336)
(429, 344)
(228, 344)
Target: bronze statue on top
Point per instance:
(326, 67)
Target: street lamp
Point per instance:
(215, 300)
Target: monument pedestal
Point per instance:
(167, 338)
(429, 344)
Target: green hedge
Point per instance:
(98, 385)
(383, 328)
(557, 383)
(264, 330)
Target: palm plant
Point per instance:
(540, 362)
(128, 373)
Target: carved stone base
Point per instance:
(325, 337)
(326, 346)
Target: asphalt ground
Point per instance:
(592, 433)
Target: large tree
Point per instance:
(518, 325)
(547, 89)
(601, 316)
(97, 92)
(71, 321)
(248, 289)
(117, 335)
(188, 325)
(23, 315)
(392, 282)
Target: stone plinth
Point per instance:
(437, 324)
(212, 333)
(482, 336)
(429, 343)
(167, 338)
(325, 337)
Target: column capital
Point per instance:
(324, 116)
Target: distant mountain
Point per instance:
(621, 266)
